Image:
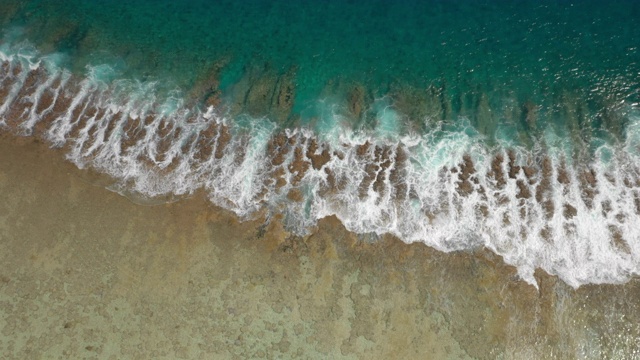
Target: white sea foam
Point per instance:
(411, 186)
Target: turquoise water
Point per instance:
(486, 60)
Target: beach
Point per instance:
(86, 273)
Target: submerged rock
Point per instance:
(263, 91)
(356, 101)
(530, 114)
(284, 95)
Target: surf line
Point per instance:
(451, 192)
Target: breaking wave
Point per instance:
(536, 207)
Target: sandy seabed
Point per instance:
(86, 273)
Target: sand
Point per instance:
(87, 273)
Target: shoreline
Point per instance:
(86, 272)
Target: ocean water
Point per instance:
(510, 126)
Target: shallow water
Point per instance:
(86, 273)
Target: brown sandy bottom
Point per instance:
(85, 273)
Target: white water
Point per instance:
(418, 199)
